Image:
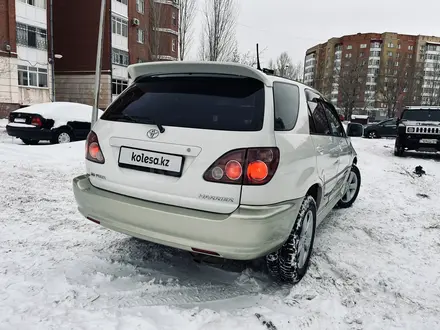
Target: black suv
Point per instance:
(418, 128)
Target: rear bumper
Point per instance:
(248, 233)
(29, 133)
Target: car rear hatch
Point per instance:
(164, 132)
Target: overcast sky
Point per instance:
(296, 25)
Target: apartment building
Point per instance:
(373, 72)
(135, 31)
(24, 58)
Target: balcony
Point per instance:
(120, 8)
(31, 15)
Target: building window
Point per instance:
(409, 55)
(31, 36)
(120, 57)
(174, 20)
(399, 46)
(36, 3)
(363, 45)
(140, 36)
(410, 47)
(390, 54)
(140, 6)
(118, 86)
(32, 76)
(120, 26)
(349, 47)
(173, 45)
(375, 45)
(125, 2)
(390, 45)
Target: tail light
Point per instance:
(36, 121)
(93, 149)
(251, 166)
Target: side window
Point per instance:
(335, 124)
(318, 124)
(391, 123)
(286, 98)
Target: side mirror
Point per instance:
(355, 129)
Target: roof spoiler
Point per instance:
(183, 67)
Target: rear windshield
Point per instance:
(226, 103)
(421, 115)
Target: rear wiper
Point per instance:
(159, 125)
(148, 120)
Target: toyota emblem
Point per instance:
(153, 133)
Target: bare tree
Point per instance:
(248, 58)
(284, 67)
(187, 10)
(155, 22)
(271, 65)
(397, 84)
(393, 83)
(218, 34)
(349, 81)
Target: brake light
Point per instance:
(36, 121)
(257, 171)
(93, 149)
(260, 165)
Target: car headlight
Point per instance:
(411, 129)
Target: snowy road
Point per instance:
(375, 266)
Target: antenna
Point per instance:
(258, 59)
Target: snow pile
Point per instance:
(62, 112)
(375, 265)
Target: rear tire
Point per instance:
(354, 186)
(63, 135)
(30, 142)
(290, 263)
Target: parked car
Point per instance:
(219, 159)
(418, 130)
(385, 128)
(57, 122)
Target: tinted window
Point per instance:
(421, 115)
(387, 122)
(286, 98)
(333, 120)
(205, 102)
(319, 123)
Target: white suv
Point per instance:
(219, 159)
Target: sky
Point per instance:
(295, 25)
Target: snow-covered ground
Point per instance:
(375, 266)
